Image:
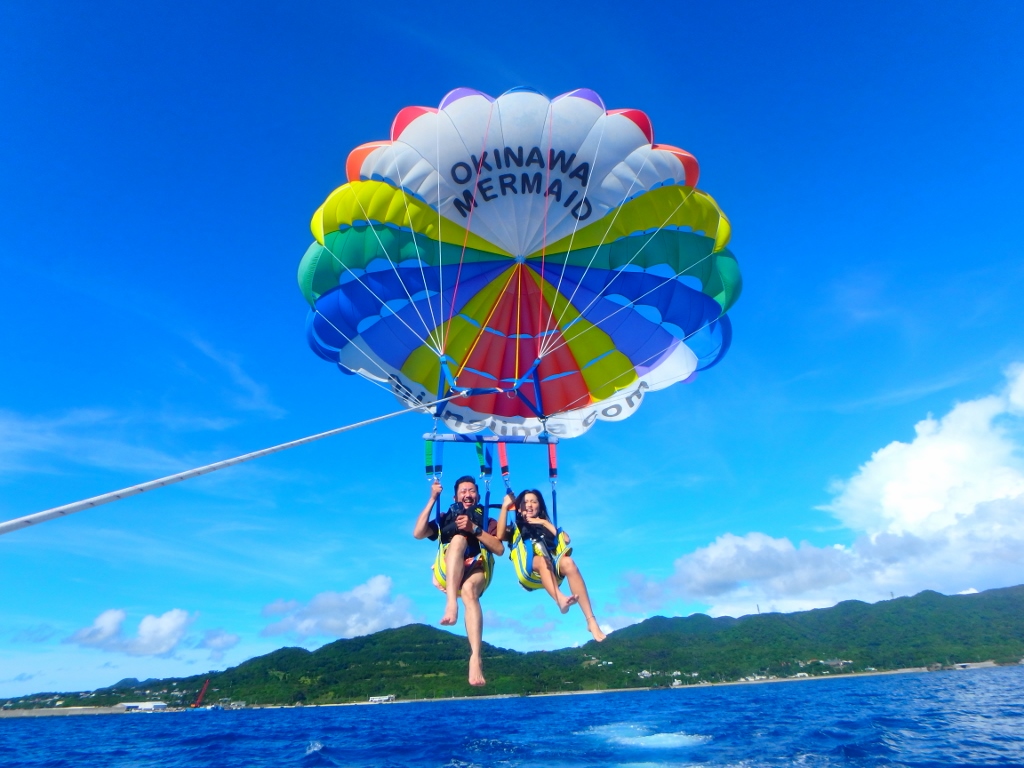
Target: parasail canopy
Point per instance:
(543, 254)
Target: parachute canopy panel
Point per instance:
(543, 253)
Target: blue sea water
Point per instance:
(973, 717)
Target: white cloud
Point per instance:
(157, 635)
(368, 608)
(936, 481)
(941, 512)
(254, 396)
(218, 642)
(87, 437)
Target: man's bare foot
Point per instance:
(594, 629)
(476, 671)
(451, 615)
(565, 603)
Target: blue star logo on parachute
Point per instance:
(544, 253)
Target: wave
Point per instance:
(644, 737)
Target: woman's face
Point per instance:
(531, 505)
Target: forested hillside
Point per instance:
(417, 661)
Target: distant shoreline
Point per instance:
(117, 710)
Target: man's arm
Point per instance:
(423, 528)
(490, 541)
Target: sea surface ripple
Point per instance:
(972, 718)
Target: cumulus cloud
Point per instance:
(941, 512)
(218, 642)
(157, 635)
(370, 607)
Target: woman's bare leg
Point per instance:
(547, 577)
(570, 570)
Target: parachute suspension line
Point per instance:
(514, 223)
(365, 354)
(572, 403)
(541, 338)
(619, 271)
(427, 330)
(519, 315)
(539, 223)
(576, 226)
(135, 490)
(465, 237)
(618, 210)
(662, 284)
(372, 293)
(440, 251)
(416, 245)
(482, 331)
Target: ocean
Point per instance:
(971, 717)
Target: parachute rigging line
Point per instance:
(95, 501)
(394, 268)
(419, 258)
(619, 272)
(469, 223)
(642, 362)
(662, 284)
(371, 291)
(575, 228)
(365, 354)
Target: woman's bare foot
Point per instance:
(565, 603)
(451, 615)
(594, 629)
(476, 671)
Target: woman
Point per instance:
(542, 556)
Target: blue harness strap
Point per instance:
(434, 452)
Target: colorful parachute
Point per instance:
(542, 254)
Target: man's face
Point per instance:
(467, 495)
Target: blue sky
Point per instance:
(159, 164)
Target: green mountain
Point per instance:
(417, 661)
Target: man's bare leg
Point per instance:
(572, 573)
(454, 567)
(547, 577)
(471, 591)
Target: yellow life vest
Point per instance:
(522, 551)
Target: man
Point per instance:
(462, 568)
